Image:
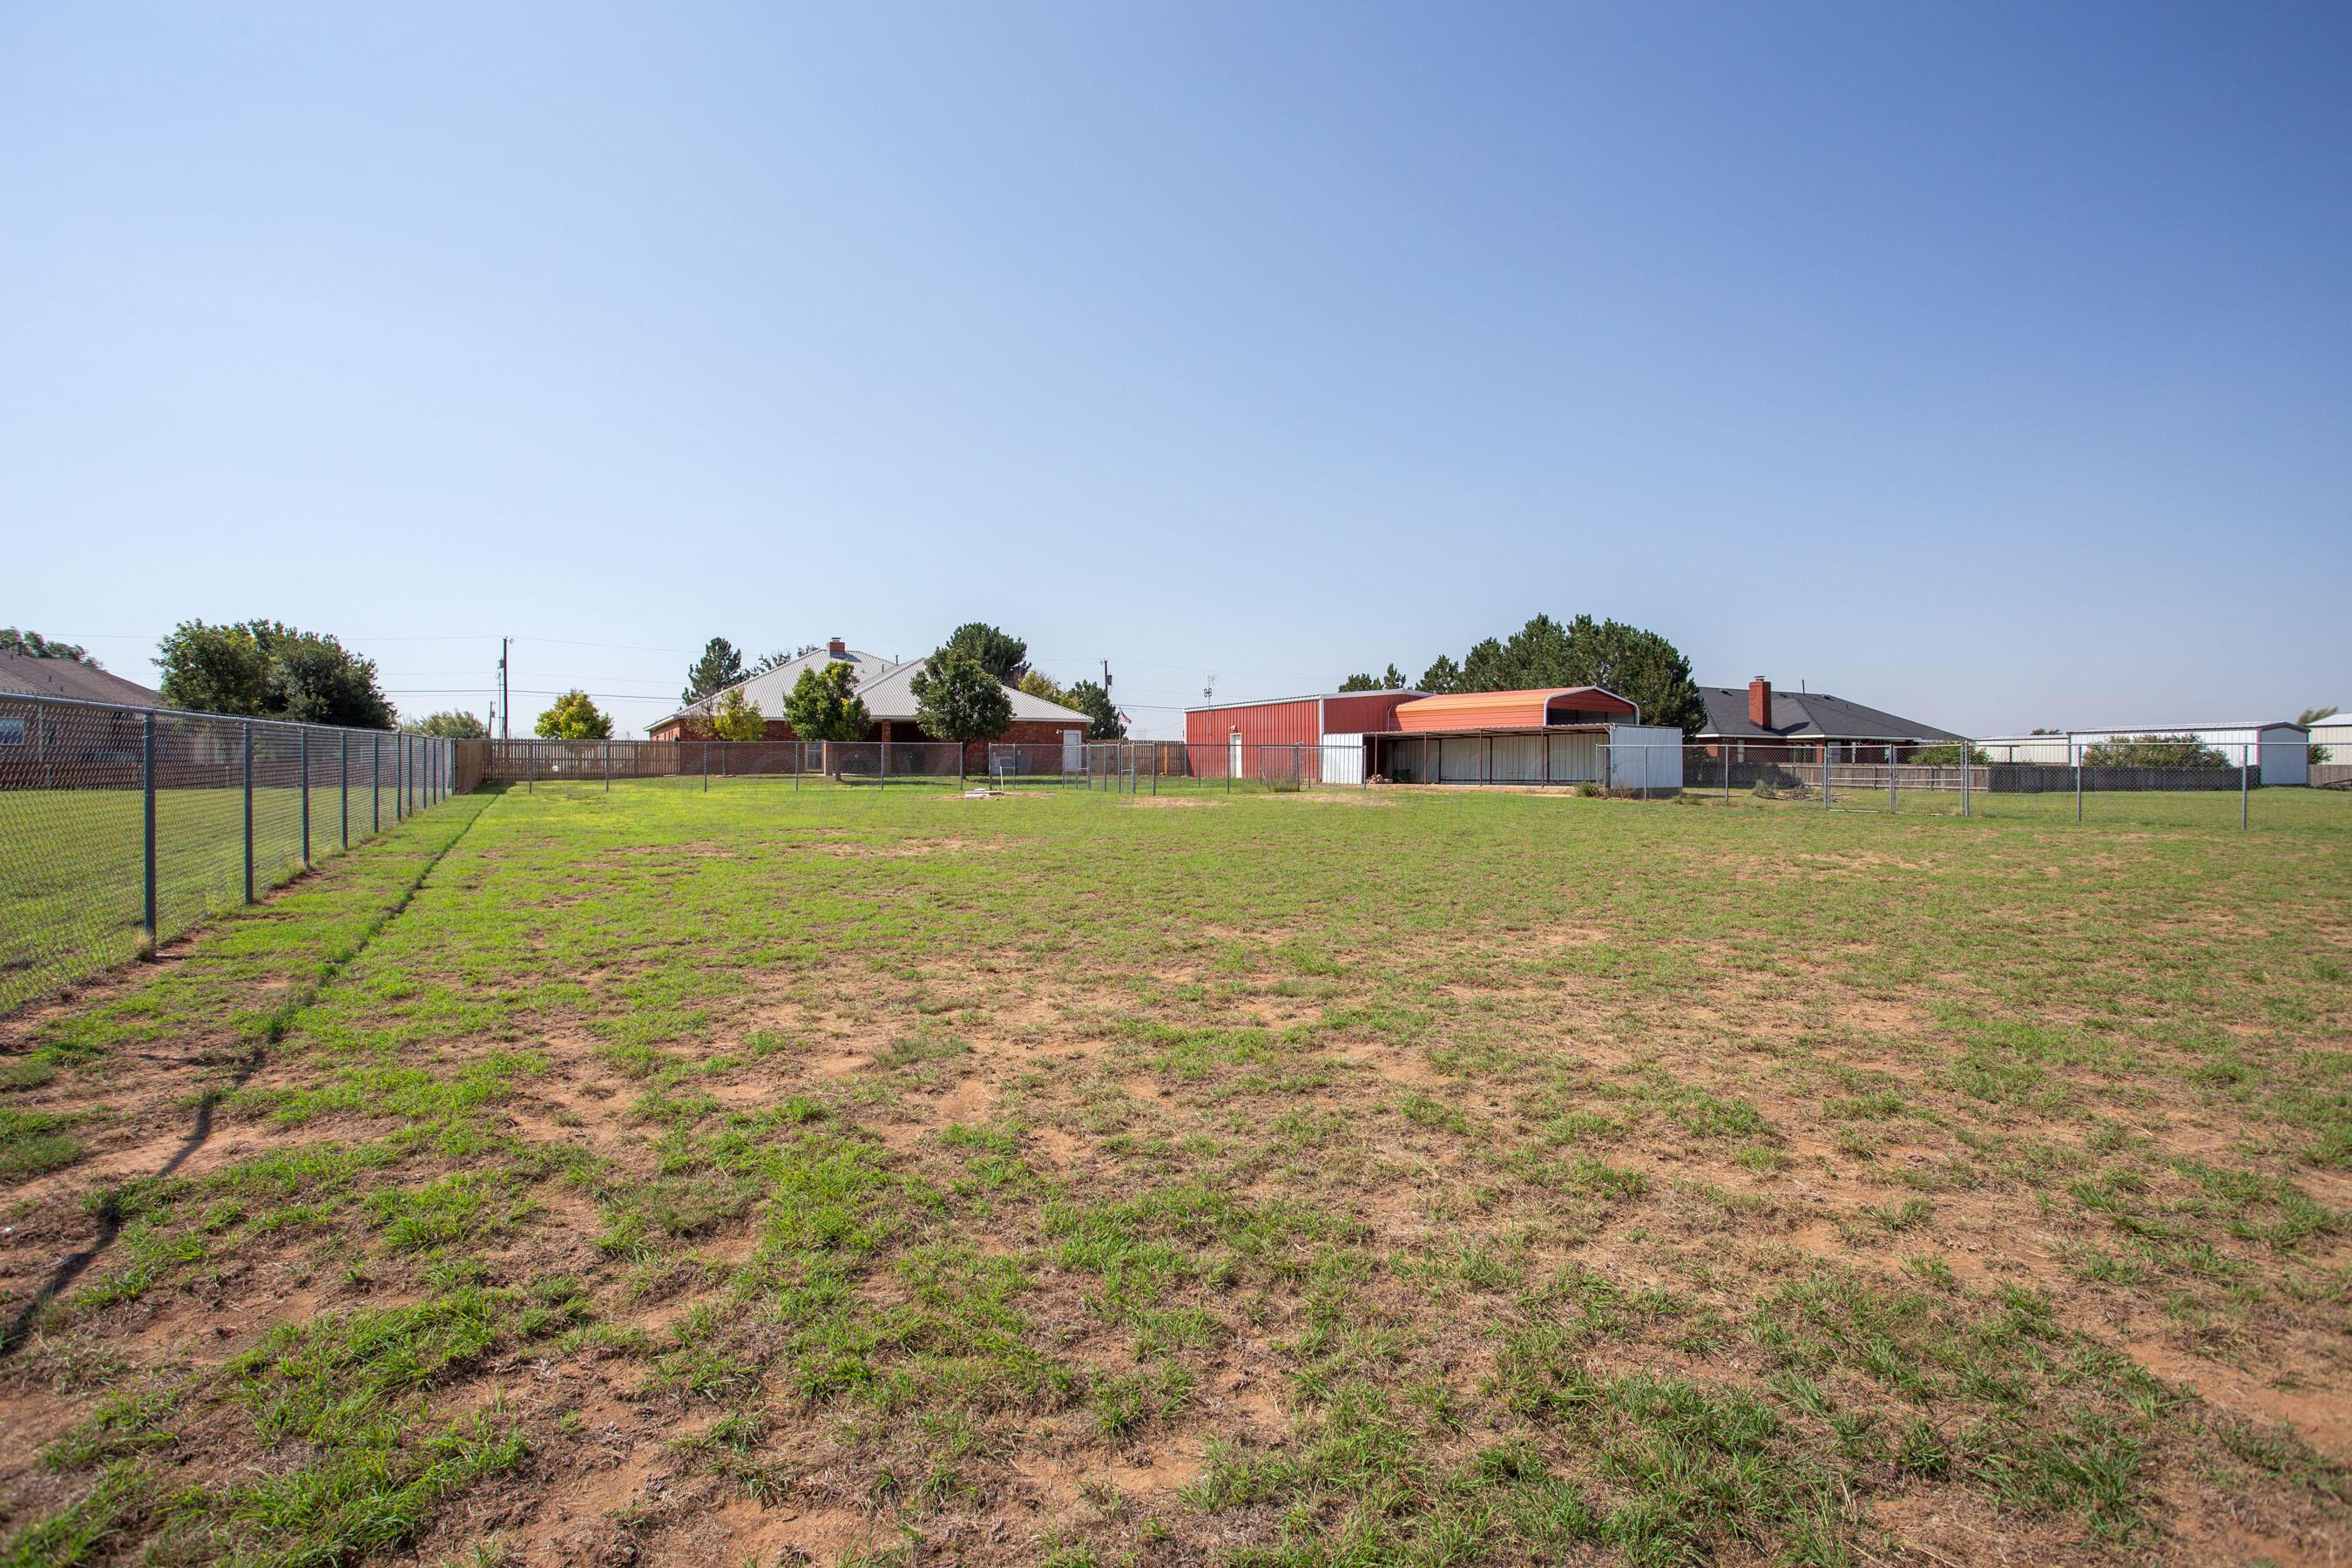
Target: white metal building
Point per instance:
(2282, 751)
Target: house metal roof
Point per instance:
(882, 686)
(890, 695)
(1807, 716)
(28, 676)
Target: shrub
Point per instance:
(575, 717)
(735, 718)
(1947, 754)
(1764, 790)
(2154, 752)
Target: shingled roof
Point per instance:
(1807, 716)
(22, 675)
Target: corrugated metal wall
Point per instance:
(1342, 758)
(1363, 712)
(1295, 724)
(1575, 759)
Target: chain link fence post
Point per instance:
(376, 784)
(1825, 775)
(248, 810)
(147, 814)
(1968, 752)
(344, 785)
(2245, 783)
(305, 733)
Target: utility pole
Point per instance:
(505, 646)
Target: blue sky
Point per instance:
(1990, 364)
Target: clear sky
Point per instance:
(1991, 364)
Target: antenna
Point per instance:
(1105, 664)
(1209, 691)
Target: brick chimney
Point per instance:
(1760, 703)
(837, 647)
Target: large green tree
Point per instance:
(1392, 680)
(1442, 677)
(33, 645)
(1092, 699)
(1037, 683)
(267, 669)
(575, 717)
(999, 652)
(451, 725)
(719, 667)
(824, 704)
(959, 699)
(1638, 665)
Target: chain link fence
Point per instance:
(600, 764)
(123, 828)
(2157, 781)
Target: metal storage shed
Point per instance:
(1552, 735)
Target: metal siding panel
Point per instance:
(1291, 723)
(2284, 756)
(1517, 759)
(1362, 712)
(1645, 756)
(1343, 759)
(1575, 759)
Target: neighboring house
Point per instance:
(23, 675)
(1760, 724)
(53, 735)
(886, 687)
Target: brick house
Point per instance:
(886, 687)
(1761, 724)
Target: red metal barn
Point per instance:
(1321, 736)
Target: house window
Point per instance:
(12, 732)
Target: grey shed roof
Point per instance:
(1809, 716)
(23, 675)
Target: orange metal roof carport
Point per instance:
(1544, 708)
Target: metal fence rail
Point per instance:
(536, 762)
(123, 828)
(1962, 780)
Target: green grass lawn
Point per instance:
(1350, 1177)
(72, 868)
